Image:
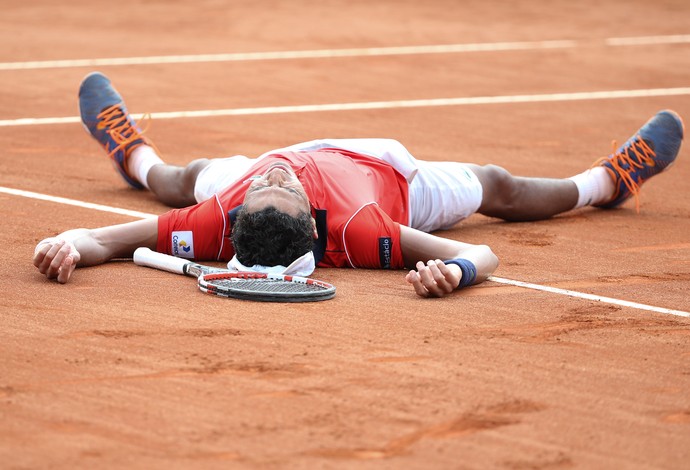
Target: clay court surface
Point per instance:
(127, 367)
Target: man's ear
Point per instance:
(313, 224)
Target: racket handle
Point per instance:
(146, 257)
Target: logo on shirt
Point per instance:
(183, 244)
(251, 178)
(385, 247)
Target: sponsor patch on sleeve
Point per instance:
(183, 244)
(385, 247)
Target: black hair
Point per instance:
(270, 237)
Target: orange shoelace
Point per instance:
(623, 164)
(119, 127)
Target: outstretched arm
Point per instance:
(58, 257)
(427, 253)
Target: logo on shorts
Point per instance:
(385, 247)
(183, 244)
(467, 174)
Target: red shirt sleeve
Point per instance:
(197, 232)
(372, 240)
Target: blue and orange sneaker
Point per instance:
(105, 117)
(647, 153)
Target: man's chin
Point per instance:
(281, 166)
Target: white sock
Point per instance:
(594, 186)
(140, 162)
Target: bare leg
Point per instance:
(517, 198)
(174, 185)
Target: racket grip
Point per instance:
(146, 257)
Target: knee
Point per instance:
(498, 181)
(499, 190)
(191, 172)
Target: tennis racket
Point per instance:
(239, 285)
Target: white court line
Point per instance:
(75, 202)
(649, 40)
(352, 52)
(552, 290)
(582, 295)
(289, 55)
(461, 101)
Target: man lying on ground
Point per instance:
(360, 203)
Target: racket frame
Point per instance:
(325, 290)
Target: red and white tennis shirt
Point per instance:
(358, 202)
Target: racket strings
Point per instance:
(265, 285)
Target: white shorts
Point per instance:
(441, 194)
(219, 174)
